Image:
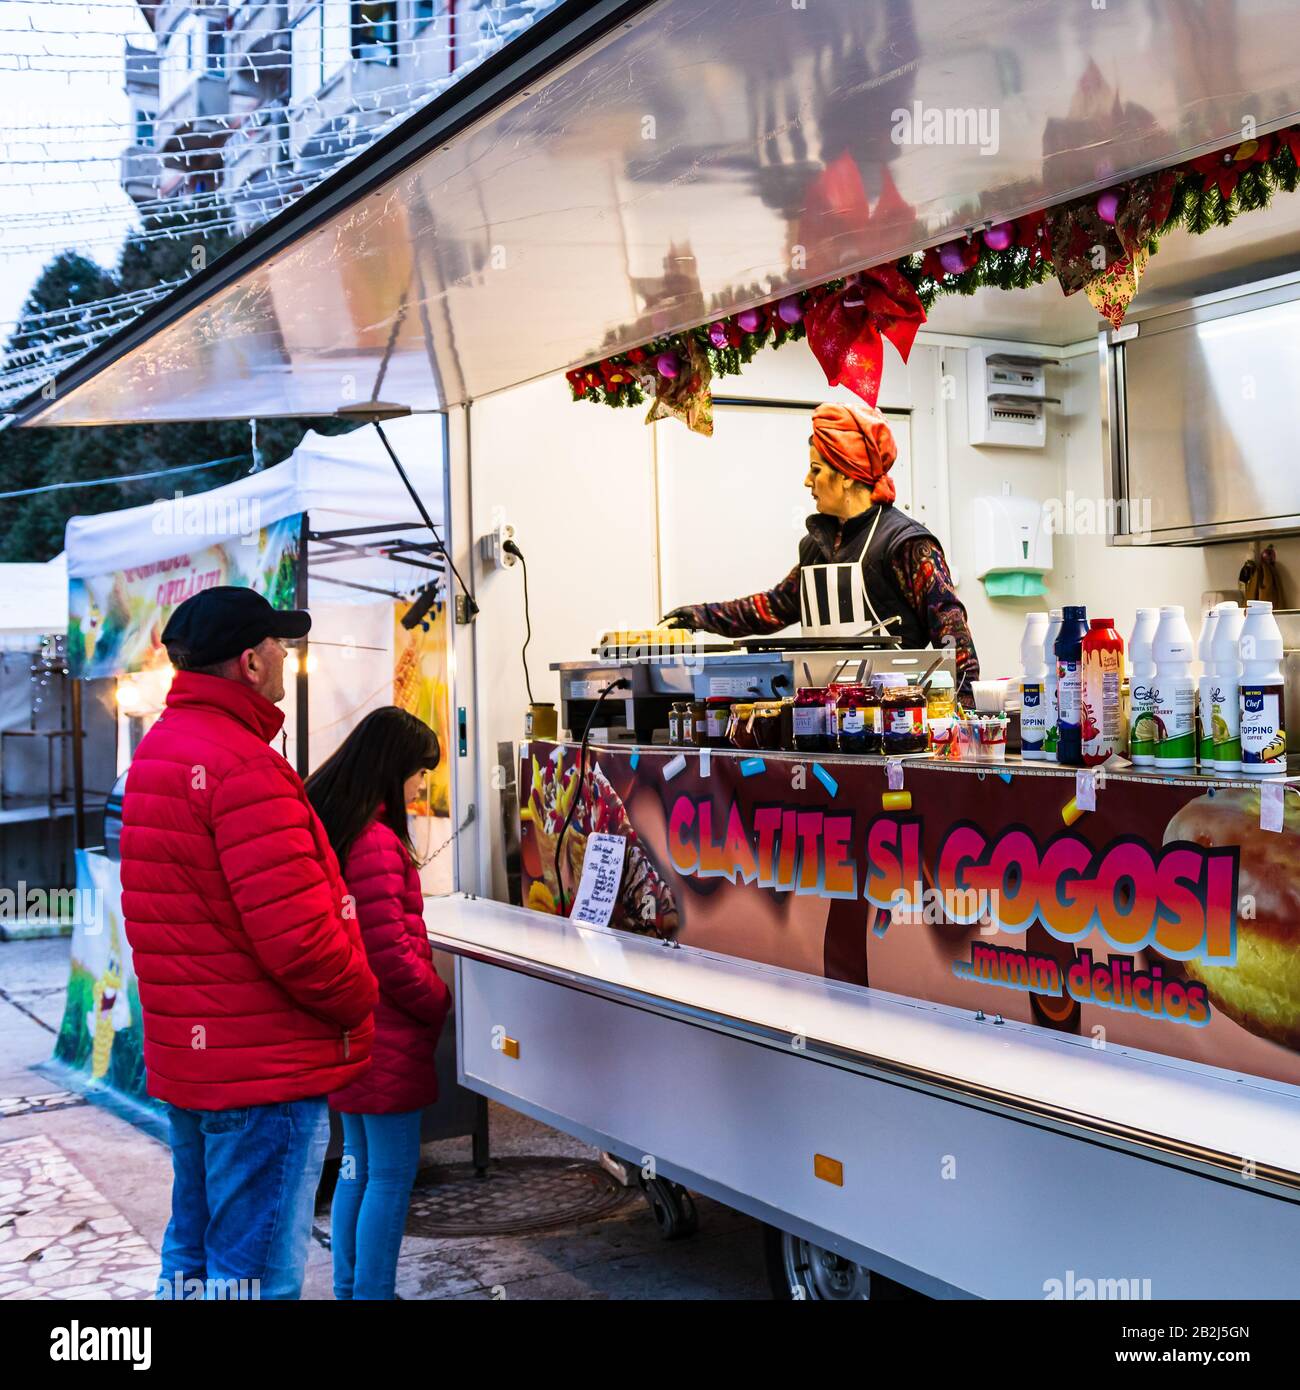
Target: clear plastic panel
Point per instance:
(706, 155)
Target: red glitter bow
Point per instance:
(846, 329)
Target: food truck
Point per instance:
(957, 1019)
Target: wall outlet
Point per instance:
(492, 547)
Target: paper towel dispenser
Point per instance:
(1013, 544)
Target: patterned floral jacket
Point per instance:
(922, 573)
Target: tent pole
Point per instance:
(300, 680)
(78, 771)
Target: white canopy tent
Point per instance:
(33, 603)
(343, 482)
(368, 547)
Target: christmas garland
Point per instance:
(1206, 192)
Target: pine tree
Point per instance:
(31, 527)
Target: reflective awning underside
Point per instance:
(693, 158)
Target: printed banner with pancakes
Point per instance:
(1166, 919)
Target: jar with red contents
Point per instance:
(855, 729)
(832, 695)
(903, 709)
(812, 733)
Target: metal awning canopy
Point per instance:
(626, 169)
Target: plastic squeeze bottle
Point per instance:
(1069, 685)
(1051, 705)
(1263, 718)
(1204, 682)
(1225, 691)
(1142, 674)
(1103, 676)
(1033, 687)
(1173, 703)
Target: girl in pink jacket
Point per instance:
(361, 795)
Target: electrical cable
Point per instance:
(622, 683)
(511, 548)
(121, 477)
(470, 605)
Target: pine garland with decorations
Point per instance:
(1209, 191)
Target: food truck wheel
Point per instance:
(798, 1270)
(672, 1208)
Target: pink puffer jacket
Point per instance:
(413, 1001)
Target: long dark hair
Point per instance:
(368, 771)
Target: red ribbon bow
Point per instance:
(846, 328)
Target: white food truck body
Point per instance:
(957, 1154)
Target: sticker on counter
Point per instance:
(602, 872)
(894, 772)
(1085, 789)
(734, 686)
(1272, 805)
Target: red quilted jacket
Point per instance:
(253, 980)
(413, 1001)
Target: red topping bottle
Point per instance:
(1103, 676)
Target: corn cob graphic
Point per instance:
(406, 680)
(111, 1010)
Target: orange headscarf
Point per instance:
(857, 441)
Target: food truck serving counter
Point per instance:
(1001, 1007)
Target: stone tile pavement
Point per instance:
(84, 1197)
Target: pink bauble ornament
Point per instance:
(748, 320)
(718, 334)
(789, 309)
(667, 364)
(999, 236)
(950, 257)
(1108, 206)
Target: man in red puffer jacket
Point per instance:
(256, 994)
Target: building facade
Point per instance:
(245, 103)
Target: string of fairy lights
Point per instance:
(89, 155)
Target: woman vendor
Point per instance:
(862, 562)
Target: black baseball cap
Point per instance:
(225, 621)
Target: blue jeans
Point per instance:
(380, 1156)
(243, 1191)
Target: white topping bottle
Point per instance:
(1225, 690)
(1173, 692)
(1263, 716)
(1033, 687)
(1204, 714)
(1142, 673)
(1051, 709)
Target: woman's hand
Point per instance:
(687, 618)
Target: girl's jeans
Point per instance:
(380, 1156)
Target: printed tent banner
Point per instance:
(116, 620)
(126, 567)
(101, 1036)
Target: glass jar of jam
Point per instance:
(903, 711)
(696, 729)
(767, 725)
(852, 731)
(740, 726)
(717, 712)
(810, 732)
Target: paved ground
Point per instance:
(84, 1196)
